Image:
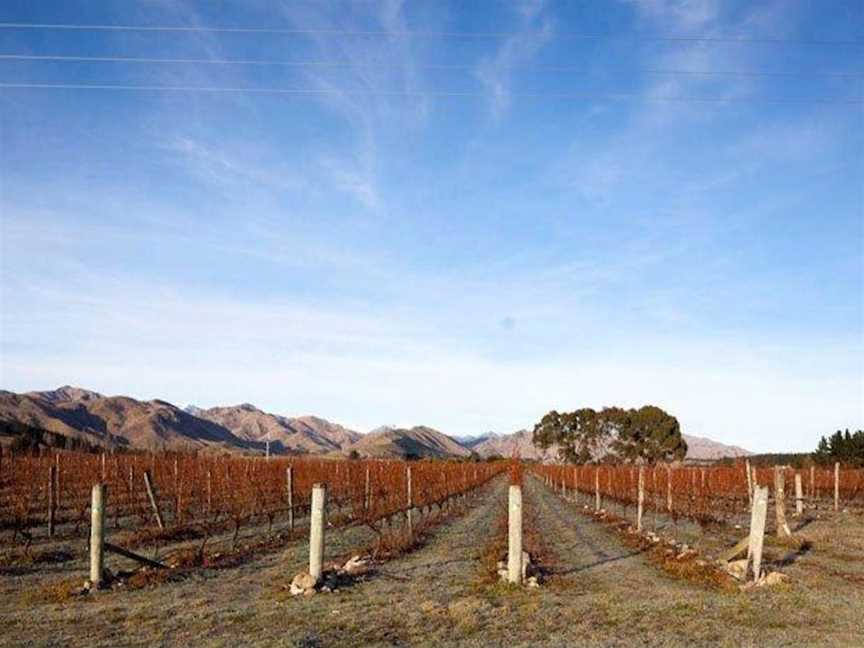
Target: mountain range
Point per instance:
(122, 422)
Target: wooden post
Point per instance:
(749, 483)
(799, 495)
(289, 492)
(757, 530)
(97, 535)
(178, 509)
(641, 498)
(151, 495)
(780, 502)
(514, 547)
(668, 488)
(209, 492)
(576, 484)
(837, 486)
(367, 492)
(317, 520)
(597, 488)
(812, 482)
(52, 499)
(409, 517)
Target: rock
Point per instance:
(737, 569)
(302, 584)
(526, 561)
(532, 582)
(502, 573)
(772, 578)
(356, 566)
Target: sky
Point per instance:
(460, 214)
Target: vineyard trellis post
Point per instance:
(576, 484)
(409, 514)
(367, 492)
(597, 488)
(813, 482)
(52, 499)
(799, 495)
(758, 516)
(749, 483)
(97, 534)
(514, 523)
(289, 493)
(780, 502)
(151, 495)
(669, 488)
(837, 486)
(641, 498)
(317, 520)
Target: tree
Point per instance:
(842, 446)
(647, 434)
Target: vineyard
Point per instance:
(721, 494)
(450, 552)
(160, 497)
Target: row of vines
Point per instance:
(705, 494)
(201, 491)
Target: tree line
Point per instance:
(845, 447)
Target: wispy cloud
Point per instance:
(534, 30)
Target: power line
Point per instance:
(414, 33)
(409, 94)
(432, 66)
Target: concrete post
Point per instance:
(799, 495)
(640, 498)
(757, 529)
(597, 488)
(837, 486)
(97, 535)
(289, 494)
(317, 520)
(780, 503)
(514, 553)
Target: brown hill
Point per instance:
(306, 434)
(516, 444)
(417, 442)
(116, 421)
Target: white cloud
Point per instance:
(534, 31)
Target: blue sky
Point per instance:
(463, 214)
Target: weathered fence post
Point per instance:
(757, 530)
(837, 486)
(289, 493)
(514, 551)
(749, 483)
(209, 492)
(409, 517)
(812, 482)
(576, 484)
(367, 492)
(52, 499)
(151, 495)
(317, 520)
(799, 495)
(669, 488)
(641, 498)
(780, 502)
(597, 488)
(97, 535)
